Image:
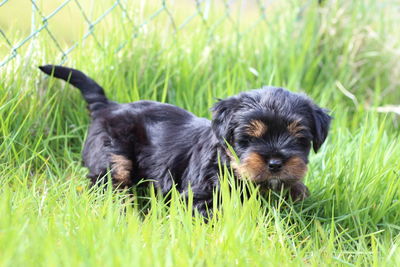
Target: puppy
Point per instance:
(271, 131)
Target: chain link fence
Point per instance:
(40, 14)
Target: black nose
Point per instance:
(275, 165)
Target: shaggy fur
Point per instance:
(270, 129)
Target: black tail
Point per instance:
(91, 91)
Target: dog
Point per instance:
(263, 135)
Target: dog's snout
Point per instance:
(275, 165)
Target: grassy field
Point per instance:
(344, 54)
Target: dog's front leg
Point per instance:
(202, 200)
(298, 191)
(203, 207)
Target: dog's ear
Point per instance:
(321, 126)
(223, 118)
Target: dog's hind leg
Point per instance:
(202, 199)
(102, 156)
(121, 171)
(117, 166)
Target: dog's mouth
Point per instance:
(274, 181)
(274, 184)
(265, 179)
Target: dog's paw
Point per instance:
(299, 191)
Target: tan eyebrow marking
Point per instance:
(256, 128)
(295, 128)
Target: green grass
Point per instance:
(344, 55)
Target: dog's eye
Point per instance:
(303, 141)
(244, 142)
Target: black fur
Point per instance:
(171, 146)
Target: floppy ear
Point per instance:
(223, 119)
(321, 126)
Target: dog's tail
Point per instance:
(91, 91)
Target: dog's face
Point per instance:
(271, 131)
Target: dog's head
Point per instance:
(271, 131)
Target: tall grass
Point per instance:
(344, 54)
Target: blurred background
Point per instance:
(70, 22)
(348, 44)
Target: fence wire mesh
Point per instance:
(39, 15)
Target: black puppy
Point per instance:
(270, 130)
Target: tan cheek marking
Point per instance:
(251, 167)
(296, 167)
(295, 128)
(256, 128)
(121, 169)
